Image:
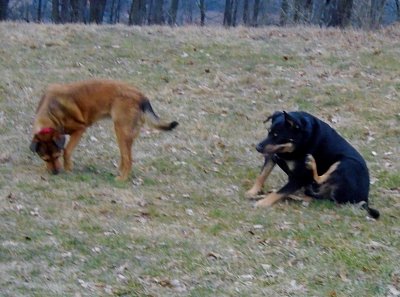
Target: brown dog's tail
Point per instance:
(153, 119)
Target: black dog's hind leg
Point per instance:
(319, 189)
(256, 189)
(312, 165)
(291, 187)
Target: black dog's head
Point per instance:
(285, 135)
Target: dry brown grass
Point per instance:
(181, 226)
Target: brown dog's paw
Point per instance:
(68, 166)
(120, 178)
(310, 162)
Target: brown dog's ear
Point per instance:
(34, 145)
(59, 140)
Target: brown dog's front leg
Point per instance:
(73, 141)
(269, 164)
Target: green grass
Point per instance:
(180, 226)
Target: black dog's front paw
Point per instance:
(310, 162)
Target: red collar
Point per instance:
(47, 130)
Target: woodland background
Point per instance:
(366, 14)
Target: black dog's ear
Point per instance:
(34, 145)
(293, 123)
(273, 116)
(59, 141)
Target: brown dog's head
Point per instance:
(48, 143)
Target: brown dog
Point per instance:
(68, 109)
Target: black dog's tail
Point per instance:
(153, 119)
(371, 211)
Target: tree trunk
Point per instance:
(202, 8)
(55, 11)
(115, 10)
(173, 11)
(235, 10)
(317, 12)
(39, 11)
(137, 13)
(78, 11)
(376, 13)
(3, 9)
(158, 17)
(284, 17)
(302, 11)
(65, 11)
(150, 12)
(118, 11)
(97, 11)
(256, 10)
(111, 18)
(398, 10)
(338, 13)
(228, 13)
(246, 12)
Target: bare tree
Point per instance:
(284, 16)
(39, 11)
(150, 12)
(114, 11)
(96, 11)
(78, 8)
(137, 14)
(302, 11)
(3, 9)
(256, 11)
(65, 14)
(398, 10)
(202, 8)
(246, 12)
(55, 11)
(376, 13)
(172, 12)
(228, 13)
(338, 13)
(235, 5)
(158, 14)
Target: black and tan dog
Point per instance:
(68, 109)
(316, 158)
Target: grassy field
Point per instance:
(181, 225)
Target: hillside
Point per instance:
(181, 225)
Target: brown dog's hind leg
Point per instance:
(260, 180)
(125, 141)
(312, 165)
(73, 141)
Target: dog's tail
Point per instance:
(371, 211)
(153, 119)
